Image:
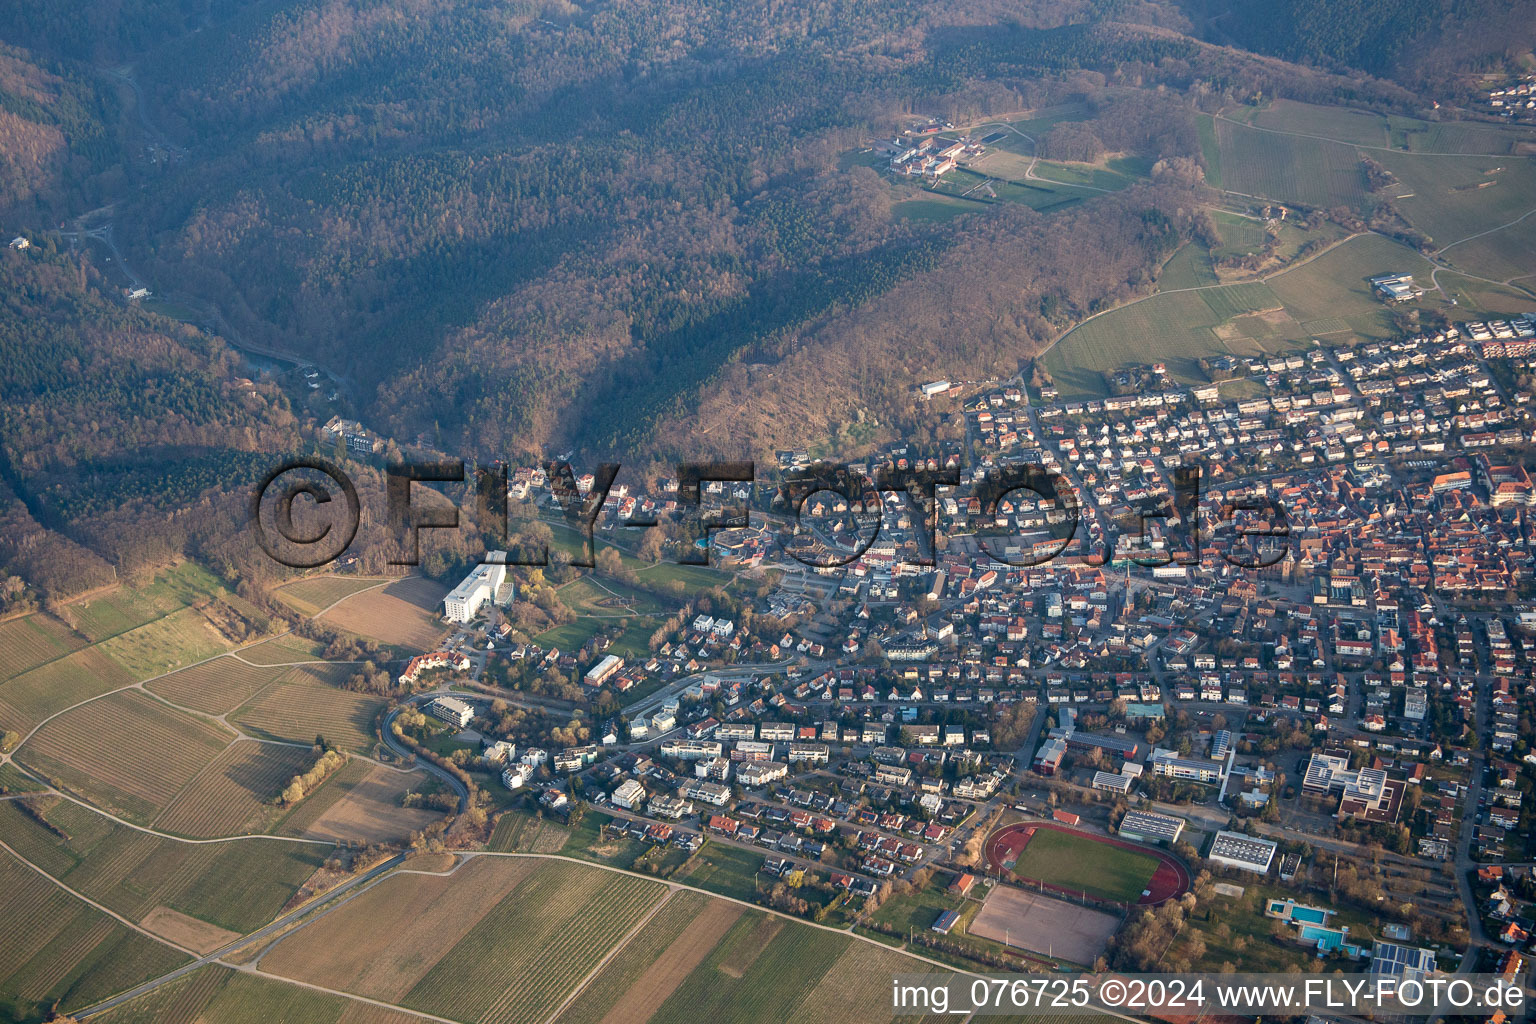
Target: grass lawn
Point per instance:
(1190, 267)
(1075, 862)
(1235, 930)
(1175, 328)
(933, 208)
(727, 870)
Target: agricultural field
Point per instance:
(565, 917)
(32, 640)
(369, 810)
(214, 687)
(407, 613)
(1072, 862)
(317, 593)
(518, 832)
(1451, 198)
(56, 948)
(281, 650)
(30, 698)
(219, 994)
(1334, 286)
(130, 607)
(1289, 168)
(384, 941)
(233, 796)
(169, 642)
(238, 885)
(304, 702)
(127, 752)
(1341, 124)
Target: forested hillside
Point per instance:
(1416, 41)
(112, 419)
(649, 228)
(520, 228)
(58, 136)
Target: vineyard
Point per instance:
(638, 957)
(308, 597)
(31, 640)
(756, 975)
(126, 752)
(233, 795)
(300, 704)
(565, 918)
(1453, 197)
(1342, 124)
(1290, 168)
(517, 832)
(280, 650)
(31, 697)
(238, 885)
(381, 943)
(215, 687)
(53, 947)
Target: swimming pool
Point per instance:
(1309, 915)
(1329, 940)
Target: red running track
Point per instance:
(1170, 880)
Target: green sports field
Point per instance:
(1076, 862)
